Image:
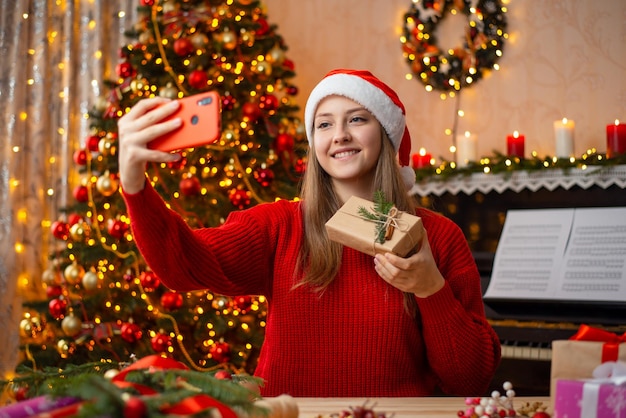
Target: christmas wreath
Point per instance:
(452, 69)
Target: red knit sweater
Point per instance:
(355, 339)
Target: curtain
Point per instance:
(55, 56)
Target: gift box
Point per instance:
(577, 357)
(589, 399)
(349, 227)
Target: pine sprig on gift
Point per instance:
(379, 216)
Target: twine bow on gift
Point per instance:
(610, 348)
(385, 215)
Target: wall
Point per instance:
(563, 58)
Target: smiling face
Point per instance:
(347, 142)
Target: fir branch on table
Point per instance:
(507, 165)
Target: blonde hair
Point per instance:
(319, 259)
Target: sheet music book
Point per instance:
(576, 254)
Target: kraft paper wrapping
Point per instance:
(349, 228)
(574, 360)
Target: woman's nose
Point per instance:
(341, 133)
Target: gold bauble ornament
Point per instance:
(169, 7)
(79, 231)
(71, 325)
(276, 55)
(64, 348)
(51, 277)
(199, 40)
(101, 104)
(106, 146)
(107, 184)
(230, 136)
(73, 273)
(90, 281)
(229, 40)
(169, 91)
(30, 326)
(138, 84)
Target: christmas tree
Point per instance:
(101, 300)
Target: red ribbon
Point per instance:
(610, 348)
(189, 406)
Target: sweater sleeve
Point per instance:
(463, 349)
(208, 258)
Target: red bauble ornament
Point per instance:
(171, 300)
(74, 218)
(130, 332)
(92, 143)
(251, 111)
(80, 157)
(149, 281)
(116, 228)
(190, 186)
(81, 194)
(268, 102)
(239, 198)
(148, 3)
(292, 90)
(161, 342)
(541, 414)
(57, 308)
(60, 230)
(21, 393)
(264, 176)
(183, 47)
(263, 28)
(284, 143)
(223, 375)
(198, 79)
(220, 352)
(289, 64)
(54, 291)
(125, 70)
(135, 408)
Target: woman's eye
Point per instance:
(322, 125)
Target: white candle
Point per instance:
(465, 148)
(564, 137)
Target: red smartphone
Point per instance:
(202, 120)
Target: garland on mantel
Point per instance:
(503, 164)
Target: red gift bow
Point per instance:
(610, 348)
(189, 406)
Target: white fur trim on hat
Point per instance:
(390, 116)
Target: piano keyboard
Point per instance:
(526, 352)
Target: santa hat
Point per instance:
(371, 93)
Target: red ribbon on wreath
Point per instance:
(610, 348)
(188, 406)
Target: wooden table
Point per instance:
(399, 407)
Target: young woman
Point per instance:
(340, 323)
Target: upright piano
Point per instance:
(478, 203)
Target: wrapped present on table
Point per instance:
(601, 397)
(577, 357)
(360, 224)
